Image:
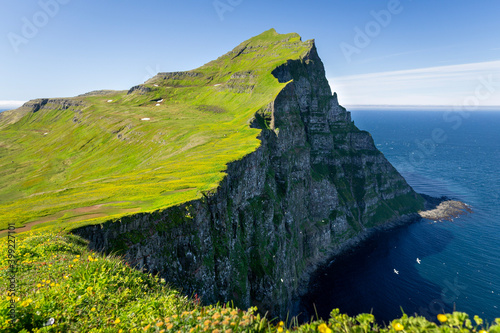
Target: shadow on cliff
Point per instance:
(365, 280)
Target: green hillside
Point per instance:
(100, 158)
(64, 287)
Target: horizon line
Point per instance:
(425, 106)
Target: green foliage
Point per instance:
(98, 161)
(60, 280)
(399, 205)
(58, 277)
(64, 167)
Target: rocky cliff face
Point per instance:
(33, 106)
(315, 184)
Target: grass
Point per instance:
(63, 167)
(64, 287)
(61, 159)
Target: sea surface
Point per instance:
(456, 154)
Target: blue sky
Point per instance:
(406, 52)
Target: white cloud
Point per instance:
(11, 104)
(474, 83)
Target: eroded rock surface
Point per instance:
(315, 185)
(447, 210)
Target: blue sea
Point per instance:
(456, 154)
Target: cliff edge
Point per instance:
(314, 184)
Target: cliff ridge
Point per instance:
(232, 181)
(314, 185)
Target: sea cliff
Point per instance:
(315, 185)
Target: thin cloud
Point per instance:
(440, 85)
(11, 104)
(387, 56)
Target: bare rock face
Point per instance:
(140, 89)
(446, 210)
(315, 185)
(36, 105)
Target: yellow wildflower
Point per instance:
(280, 329)
(146, 328)
(398, 327)
(324, 329)
(26, 302)
(117, 321)
(160, 324)
(442, 318)
(38, 285)
(169, 326)
(75, 260)
(52, 284)
(65, 277)
(93, 309)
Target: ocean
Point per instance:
(456, 154)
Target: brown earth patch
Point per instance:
(98, 210)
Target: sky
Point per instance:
(392, 52)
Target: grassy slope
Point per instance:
(60, 281)
(180, 152)
(110, 163)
